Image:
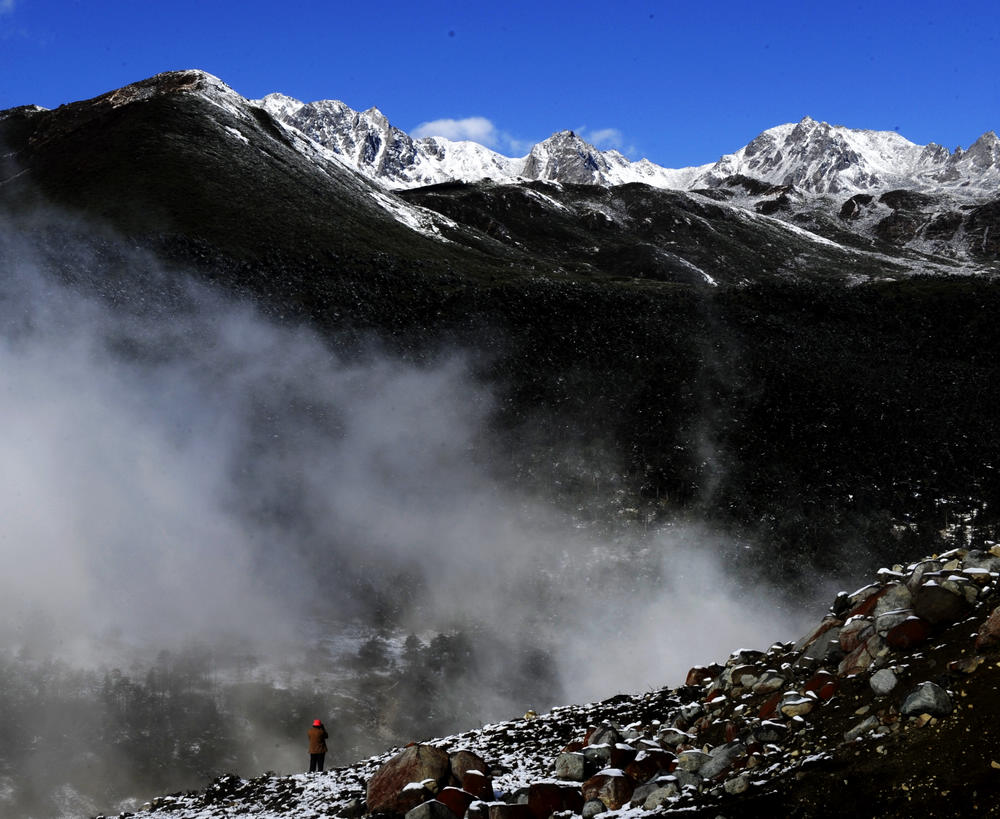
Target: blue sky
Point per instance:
(679, 83)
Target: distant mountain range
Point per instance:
(813, 156)
(805, 199)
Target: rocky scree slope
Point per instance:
(891, 703)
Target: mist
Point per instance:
(180, 469)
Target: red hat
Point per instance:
(317, 723)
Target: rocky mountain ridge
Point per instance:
(891, 700)
(789, 195)
(816, 157)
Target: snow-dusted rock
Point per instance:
(611, 786)
(936, 603)
(411, 765)
(434, 809)
(927, 698)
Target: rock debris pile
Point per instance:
(889, 705)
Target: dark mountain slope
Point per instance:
(636, 231)
(801, 413)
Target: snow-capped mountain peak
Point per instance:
(815, 157)
(820, 158)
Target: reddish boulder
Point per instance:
(411, 765)
(464, 761)
(457, 800)
(478, 784)
(825, 626)
(867, 598)
(989, 631)
(546, 798)
(700, 674)
(823, 683)
(770, 706)
(612, 788)
(911, 632)
(854, 633)
(862, 657)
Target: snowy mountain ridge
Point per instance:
(816, 157)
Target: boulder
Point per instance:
(736, 785)
(927, 698)
(822, 683)
(917, 575)
(825, 647)
(464, 761)
(605, 734)
(570, 767)
(649, 763)
(411, 765)
(659, 797)
(862, 657)
(792, 705)
(938, 604)
(501, 810)
(546, 798)
(721, 758)
(591, 808)
(478, 784)
(883, 681)
(411, 795)
(821, 631)
(855, 632)
(700, 675)
(910, 632)
(691, 760)
(612, 787)
(456, 799)
(672, 737)
(597, 757)
(989, 631)
(895, 597)
(433, 809)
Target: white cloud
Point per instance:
(477, 129)
(606, 138)
(474, 129)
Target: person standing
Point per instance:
(317, 746)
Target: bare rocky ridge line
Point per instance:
(897, 677)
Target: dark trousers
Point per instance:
(316, 762)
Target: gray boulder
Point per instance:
(430, 810)
(927, 698)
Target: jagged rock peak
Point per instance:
(818, 157)
(565, 157)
